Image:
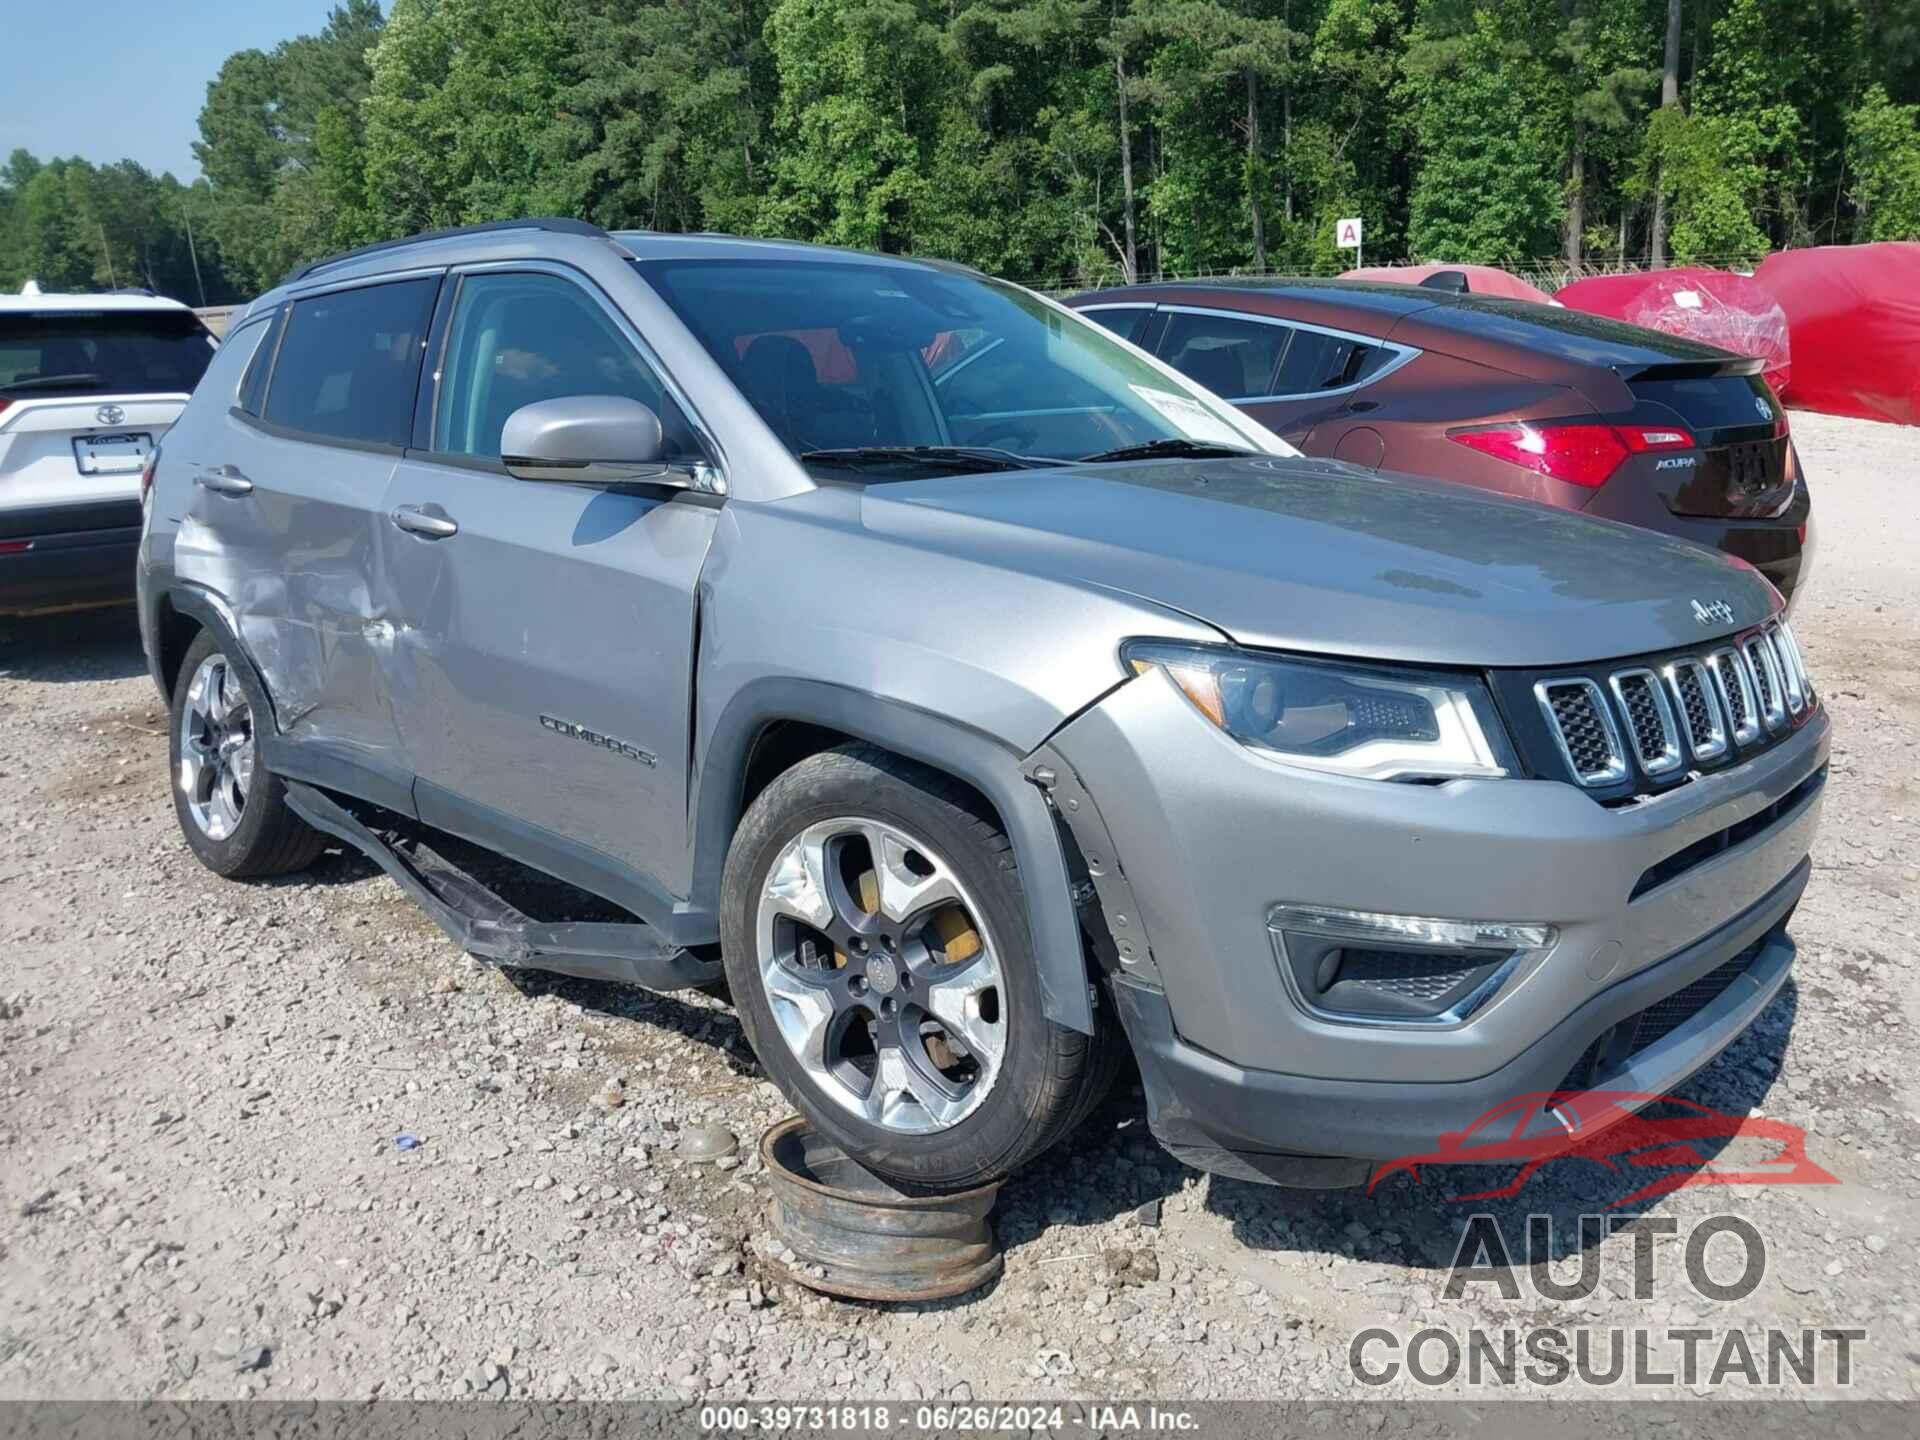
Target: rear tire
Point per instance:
(904, 1019)
(232, 809)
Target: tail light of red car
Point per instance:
(1576, 451)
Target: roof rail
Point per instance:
(555, 223)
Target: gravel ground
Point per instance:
(203, 1082)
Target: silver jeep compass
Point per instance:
(972, 694)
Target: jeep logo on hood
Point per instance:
(1718, 613)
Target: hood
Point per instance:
(1319, 557)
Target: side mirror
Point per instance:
(587, 440)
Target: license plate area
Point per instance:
(121, 453)
(1750, 471)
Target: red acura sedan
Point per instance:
(1555, 405)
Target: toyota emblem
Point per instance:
(110, 415)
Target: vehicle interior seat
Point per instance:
(777, 373)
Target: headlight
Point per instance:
(1365, 721)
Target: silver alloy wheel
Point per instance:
(216, 748)
(881, 974)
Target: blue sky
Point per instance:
(114, 79)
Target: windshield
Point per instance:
(78, 352)
(848, 357)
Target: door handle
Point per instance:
(417, 521)
(224, 480)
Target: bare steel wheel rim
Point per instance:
(216, 749)
(883, 978)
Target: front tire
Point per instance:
(232, 809)
(874, 934)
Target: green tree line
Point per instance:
(1053, 141)
(72, 225)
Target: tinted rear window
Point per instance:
(253, 390)
(88, 353)
(1232, 358)
(1318, 361)
(1714, 402)
(350, 361)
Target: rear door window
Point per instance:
(81, 352)
(1317, 360)
(253, 390)
(1233, 358)
(350, 361)
(232, 367)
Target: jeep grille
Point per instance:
(1676, 711)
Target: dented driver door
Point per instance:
(542, 667)
(545, 648)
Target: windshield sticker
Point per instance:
(1195, 421)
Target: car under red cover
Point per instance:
(1854, 314)
(1719, 307)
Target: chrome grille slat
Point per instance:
(1790, 650)
(1764, 668)
(1789, 672)
(1650, 724)
(1698, 708)
(1582, 725)
(1735, 684)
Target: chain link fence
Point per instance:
(1551, 274)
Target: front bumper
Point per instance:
(1297, 1130)
(1211, 838)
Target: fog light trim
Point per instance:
(1418, 931)
(1315, 927)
